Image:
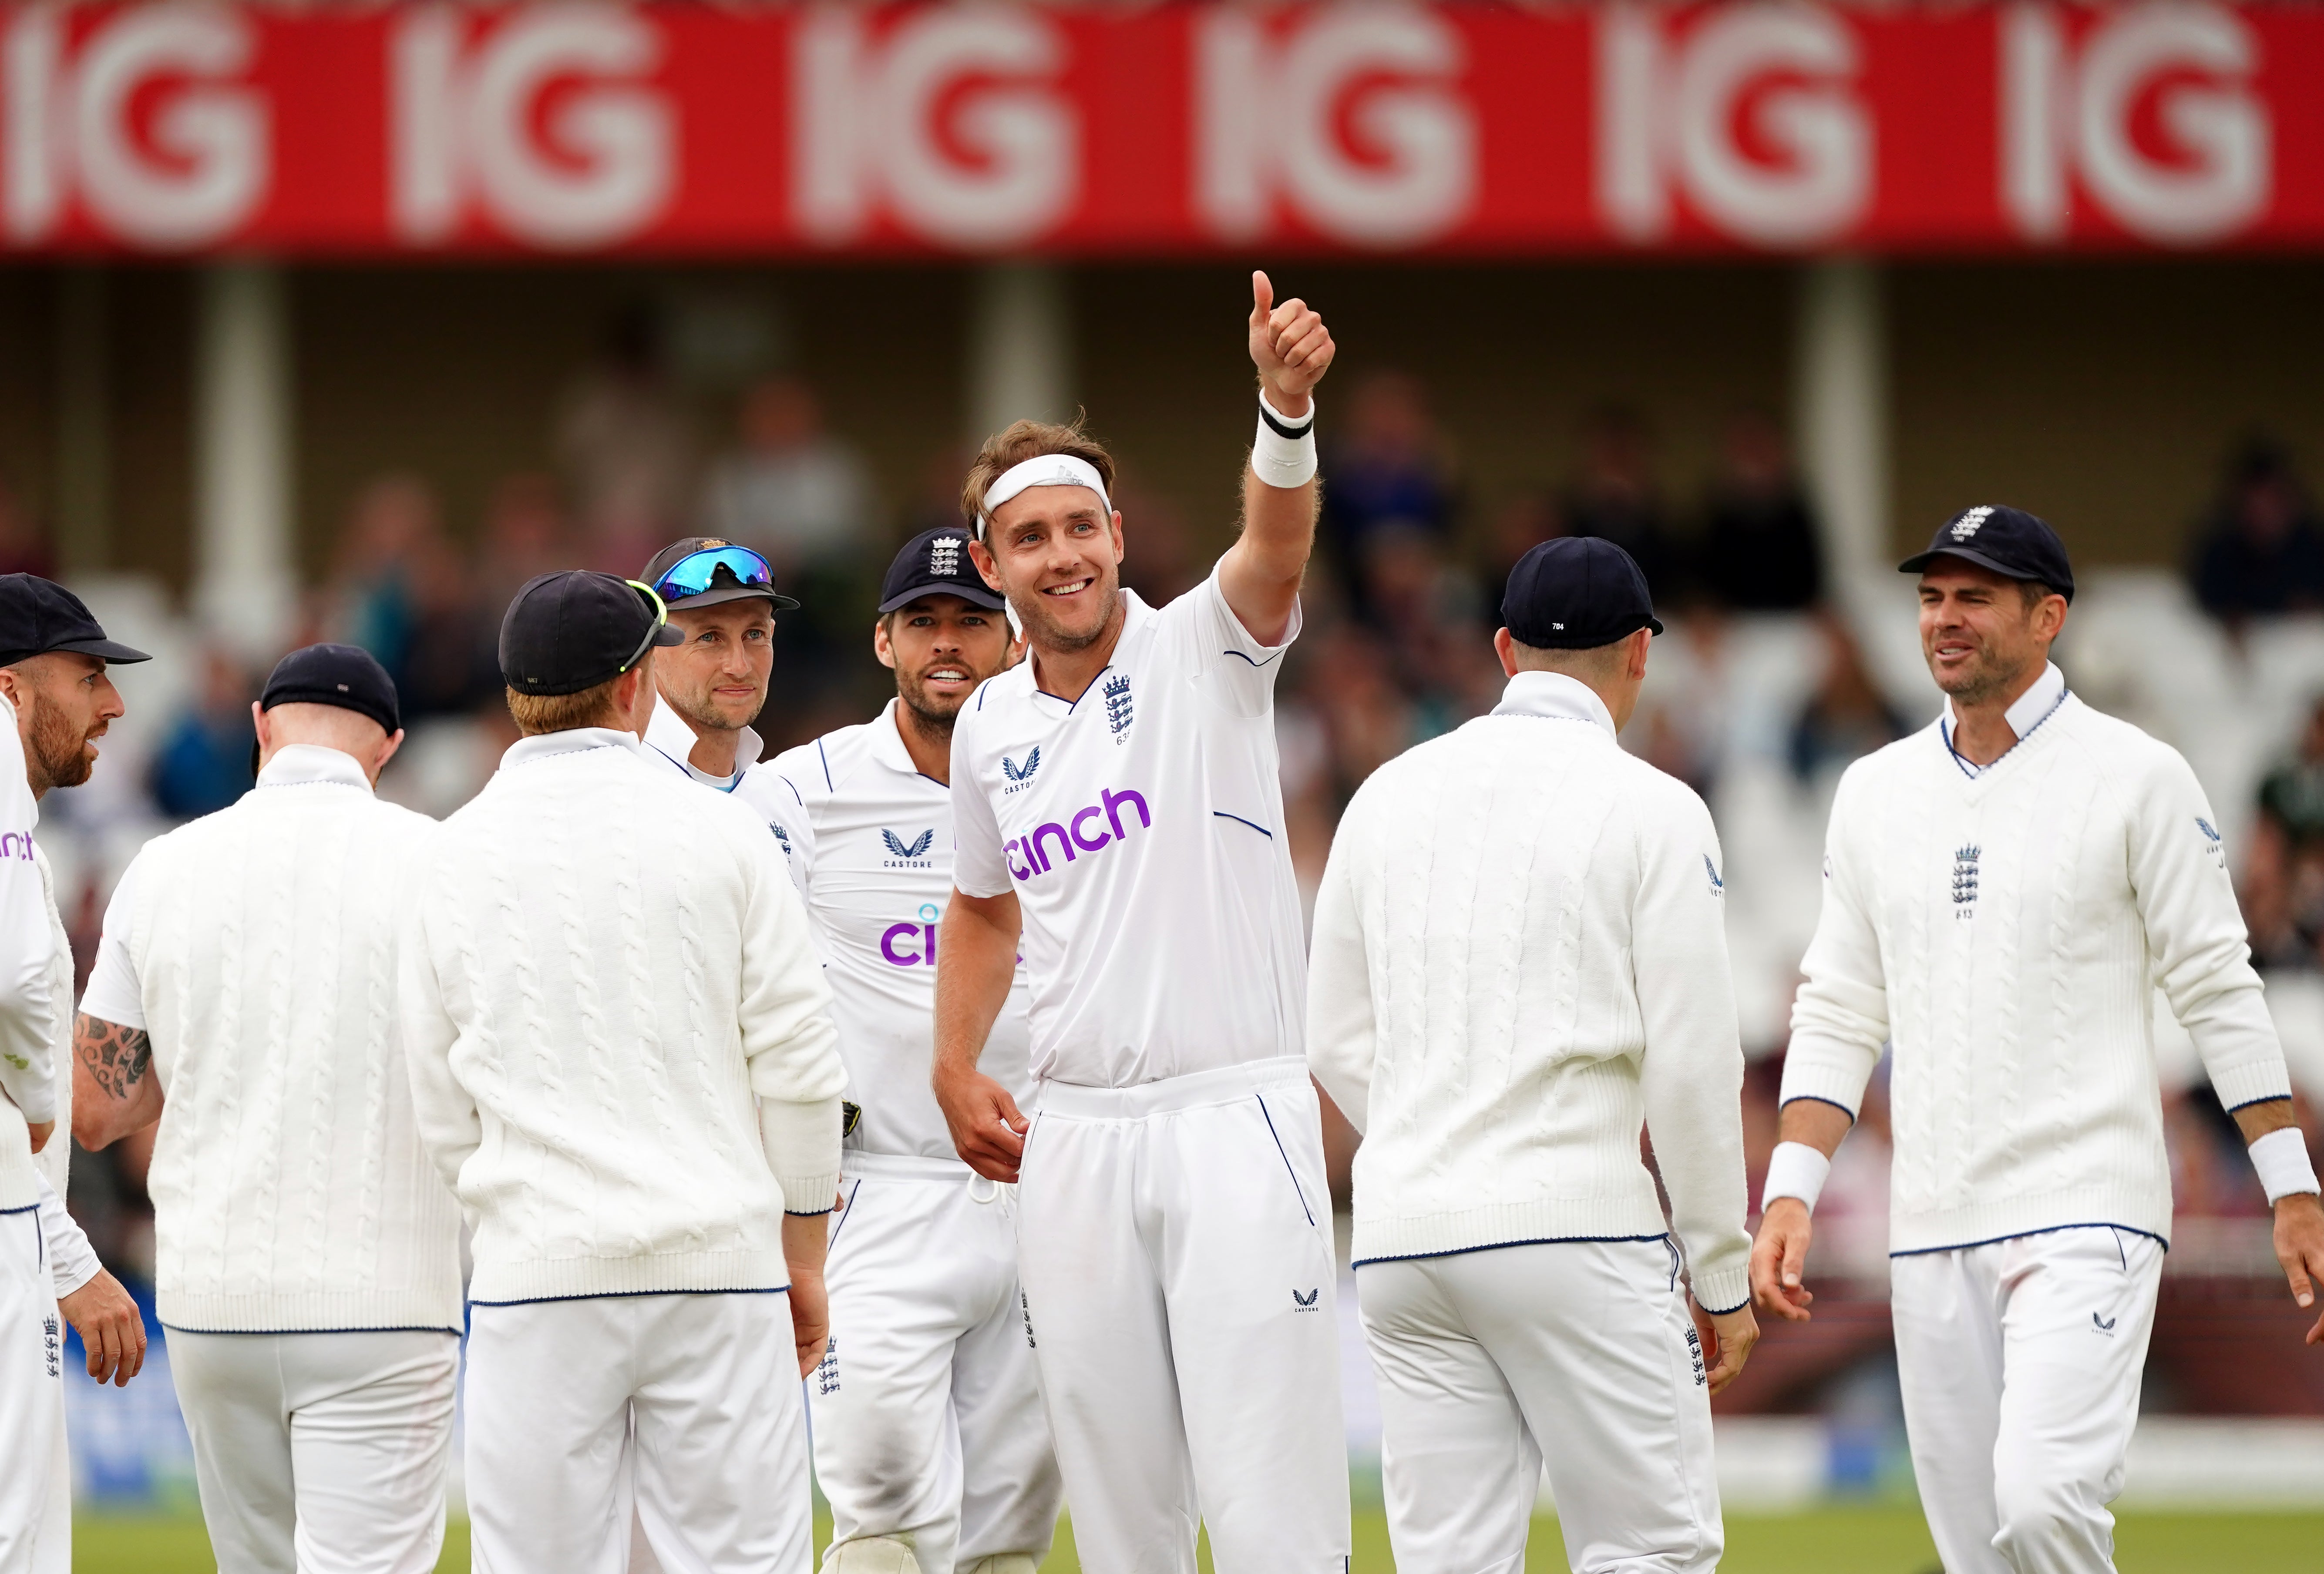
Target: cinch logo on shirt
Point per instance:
(16, 844)
(1070, 839)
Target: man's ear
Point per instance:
(987, 570)
(260, 725)
(1642, 640)
(1119, 551)
(881, 646)
(13, 687)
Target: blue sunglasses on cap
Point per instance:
(696, 574)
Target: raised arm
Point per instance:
(1262, 571)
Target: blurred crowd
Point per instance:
(1398, 620)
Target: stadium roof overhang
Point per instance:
(420, 130)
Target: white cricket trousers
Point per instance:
(320, 1453)
(928, 1428)
(31, 1393)
(1175, 1244)
(686, 1408)
(2020, 1363)
(1578, 1354)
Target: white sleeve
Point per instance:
(450, 1125)
(1343, 1028)
(1839, 1019)
(770, 790)
(980, 862)
(72, 1261)
(28, 1017)
(1692, 1074)
(789, 1040)
(1209, 639)
(115, 992)
(2195, 935)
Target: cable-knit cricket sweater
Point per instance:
(603, 965)
(1520, 954)
(2006, 928)
(255, 947)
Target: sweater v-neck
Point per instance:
(2038, 705)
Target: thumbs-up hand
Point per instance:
(1289, 344)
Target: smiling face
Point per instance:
(1056, 553)
(941, 646)
(718, 679)
(1984, 637)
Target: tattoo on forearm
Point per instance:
(116, 1058)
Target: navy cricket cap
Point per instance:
(2009, 541)
(346, 676)
(935, 563)
(573, 630)
(1576, 593)
(702, 571)
(38, 616)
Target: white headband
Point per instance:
(1043, 469)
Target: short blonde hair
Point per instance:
(1023, 440)
(536, 713)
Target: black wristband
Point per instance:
(1277, 425)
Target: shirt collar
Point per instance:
(670, 735)
(1554, 696)
(888, 740)
(574, 740)
(2030, 710)
(310, 764)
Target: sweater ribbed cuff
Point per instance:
(1825, 1068)
(804, 1194)
(1727, 1289)
(2253, 1084)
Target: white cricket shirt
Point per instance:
(1141, 828)
(871, 851)
(670, 740)
(33, 1018)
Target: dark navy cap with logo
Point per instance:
(1576, 593)
(346, 676)
(702, 571)
(573, 630)
(935, 563)
(2010, 541)
(38, 616)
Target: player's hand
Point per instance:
(987, 1130)
(1728, 1336)
(810, 1316)
(2299, 1247)
(102, 1312)
(1290, 346)
(39, 1130)
(1779, 1257)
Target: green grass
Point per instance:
(1829, 1540)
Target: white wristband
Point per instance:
(1281, 460)
(1796, 1170)
(2281, 1157)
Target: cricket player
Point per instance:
(929, 1438)
(57, 701)
(307, 1253)
(621, 1058)
(2004, 891)
(721, 599)
(1520, 953)
(1116, 811)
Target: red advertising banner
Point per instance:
(571, 126)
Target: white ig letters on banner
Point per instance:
(600, 167)
(2063, 115)
(192, 174)
(1669, 108)
(1268, 116)
(952, 121)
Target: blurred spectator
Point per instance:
(24, 547)
(1759, 547)
(203, 762)
(2260, 550)
(453, 664)
(792, 492)
(1846, 716)
(524, 536)
(2284, 878)
(394, 524)
(1614, 498)
(1390, 470)
(1158, 559)
(625, 445)
(1521, 524)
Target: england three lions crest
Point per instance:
(1119, 710)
